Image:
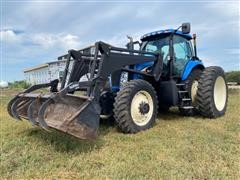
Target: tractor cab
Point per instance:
(160, 43)
(179, 56)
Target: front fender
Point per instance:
(190, 66)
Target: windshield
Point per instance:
(157, 46)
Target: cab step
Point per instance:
(186, 99)
(187, 107)
(182, 91)
(180, 84)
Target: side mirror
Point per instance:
(186, 28)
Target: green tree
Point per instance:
(233, 76)
(20, 84)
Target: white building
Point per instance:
(45, 73)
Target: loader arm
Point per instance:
(106, 61)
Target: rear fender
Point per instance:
(192, 64)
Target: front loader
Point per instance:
(127, 85)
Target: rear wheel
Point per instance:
(192, 88)
(212, 92)
(135, 107)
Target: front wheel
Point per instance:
(135, 107)
(212, 95)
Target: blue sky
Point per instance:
(34, 32)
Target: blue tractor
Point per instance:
(127, 85)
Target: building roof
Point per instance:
(53, 62)
(35, 67)
(42, 66)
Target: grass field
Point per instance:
(175, 148)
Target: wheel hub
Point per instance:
(144, 108)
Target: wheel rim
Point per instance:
(142, 108)
(194, 89)
(220, 93)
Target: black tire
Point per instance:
(194, 76)
(122, 106)
(208, 105)
(106, 102)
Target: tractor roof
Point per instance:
(164, 33)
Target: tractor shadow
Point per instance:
(174, 115)
(62, 142)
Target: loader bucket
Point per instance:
(75, 115)
(33, 110)
(78, 116)
(19, 107)
(9, 106)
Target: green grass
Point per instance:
(175, 148)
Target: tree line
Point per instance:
(233, 76)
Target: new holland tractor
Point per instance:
(128, 85)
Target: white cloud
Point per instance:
(8, 35)
(70, 41)
(34, 48)
(64, 41)
(234, 51)
(147, 13)
(225, 8)
(119, 40)
(45, 40)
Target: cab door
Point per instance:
(182, 54)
